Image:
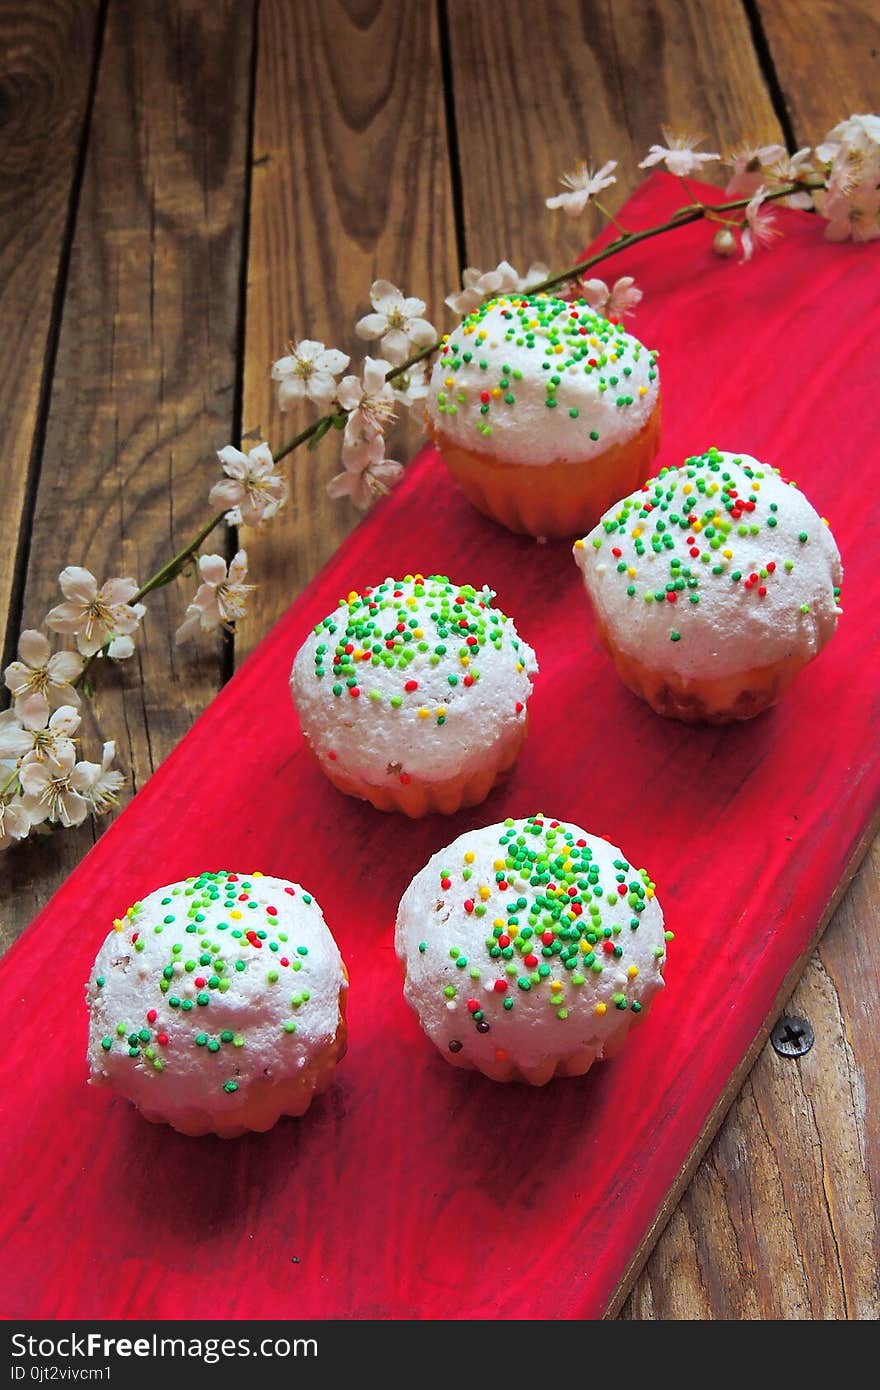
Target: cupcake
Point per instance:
(544, 412)
(218, 1004)
(530, 949)
(711, 586)
(412, 694)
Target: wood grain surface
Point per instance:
(351, 184)
(138, 361)
(145, 378)
(47, 52)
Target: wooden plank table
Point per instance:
(186, 184)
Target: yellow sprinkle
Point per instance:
(643, 390)
(117, 924)
(469, 857)
(424, 713)
(556, 986)
(465, 660)
(599, 1009)
(594, 342)
(498, 866)
(698, 526)
(417, 632)
(441, 709)
(519, 666)
(688, 487)
(235, 913)
(559, 348)
(613, 357)
(450, 381)
(485, 892)
(411, 602)
(637, 532)
(257, 873)
(633, 971)
(756, 487)
(586, 947)
(499, 922)
(728, 554)
(129, 912)
(824, 520)
(631, 571)
(481, 337)
(469, 330)
(649, 892)
(578, 545)
(496, 391)
(567, 866)
(352, 597)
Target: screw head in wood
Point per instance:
(792, 1036)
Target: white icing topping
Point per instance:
(782, 604)
(147, 974)
(470, 670)
(611, 399)
(439, 926)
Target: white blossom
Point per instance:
(308, 372)
(679, 154)
(92, 615)
(252, 490)
(750, 164)
(411, 389)
(33, 740)
(478, 285)
(15, 823)
(39, 679)
(53, 789)
(397, 321)
(760, 225)
(794, 168)
(855, 214)
(368, 474)
(104, 781)
(370, 400)
(615, 303)
(220, 598)
(582, 185)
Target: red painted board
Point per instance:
(412, 1189)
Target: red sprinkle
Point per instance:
(411, 685)
(468, 904)
(608, 947)
(531, 961)
(672, 596)
(162, 1038)
(446, 883)
(473, 1006)
(291, 891)
(151, 1015)
(500, 986)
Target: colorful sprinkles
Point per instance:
(703, 520)
(554, 922)
(568, 342)
(401, 641)
(231, 933)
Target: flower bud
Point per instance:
(724, 242)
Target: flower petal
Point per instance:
(212, 569)
(117, 591)
(77, 584)
(234, 461)
(333, 361)
(227, 493)
(371, 326)
(33, 647)
(121, 648)
(65, 617)
(64, 667)
(33, 710)
(383, 293)
(238, 567)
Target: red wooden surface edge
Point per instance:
(411, 1189)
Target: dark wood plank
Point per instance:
(146, 369)
(591, 81)
(827, 59)
(781, 1219)
(530, 102)
(46, 58)
(351, 183)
